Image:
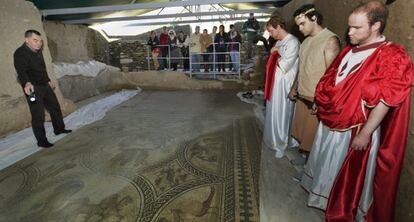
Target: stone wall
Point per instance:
(73, 43)
(15, 18)
(67, 43)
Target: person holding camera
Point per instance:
(32, 75)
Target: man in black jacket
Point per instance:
(32, 75)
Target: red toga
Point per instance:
(385, 76)
(271, 66)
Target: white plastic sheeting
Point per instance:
(86, 68)
(257, 99)
(23, 143)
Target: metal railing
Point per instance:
(194, 67)
(214, 63)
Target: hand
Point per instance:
(274, 49)
(314, 109)
(360, 141)
(293, 94)
(52, 85)
(28, 88)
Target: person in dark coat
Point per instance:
(221, 48)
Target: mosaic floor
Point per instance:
(161, 156)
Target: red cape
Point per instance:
(386, 76)
(271, 66)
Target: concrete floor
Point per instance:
(282, 198)
(87, 175)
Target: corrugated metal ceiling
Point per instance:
(71, 4)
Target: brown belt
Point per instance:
(308, 101)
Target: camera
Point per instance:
(32, 97)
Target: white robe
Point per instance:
(279, 109)
(330, 149)
(325, 160)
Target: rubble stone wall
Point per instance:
(74, 43)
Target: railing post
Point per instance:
(239, 58)
(169, 57)
(214, 60)
(190, 61)
(148, 58)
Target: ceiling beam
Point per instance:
(94, 9)
(194, 21)
(182, 15)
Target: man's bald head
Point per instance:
(375, 11)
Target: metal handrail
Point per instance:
(214, 53)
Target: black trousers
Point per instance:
(45, 99)
(164, 54)
(221, 58)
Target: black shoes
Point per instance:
(248, 95)
(45, 144)
(62, 131)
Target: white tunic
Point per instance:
(279, 109)
(330, 149)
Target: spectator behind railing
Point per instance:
(234, 48)
(232, 29)
(164, 49)
(182, 43)
(211, 49)
(221, 40)
(174, 51)
(206, 42)
(155, 51)
(195, 49)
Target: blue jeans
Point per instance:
(195, 58)
(235, 59)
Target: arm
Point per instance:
(173, 42)
(375, 118)
(331, 50)
(21, 66)
(289, 57)
(200, 40)
(186, 42)
(294, 90)
(256, 26)
(227, 38)
(203, 42)
(216, 39)
(210, 41)
(293, 94)
(244, 28)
